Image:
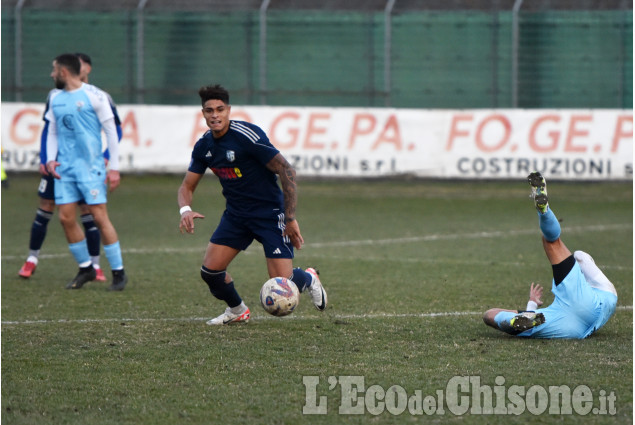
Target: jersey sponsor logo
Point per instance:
(227, 173)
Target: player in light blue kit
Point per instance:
(584, 297)
(77, 115)
(46, 193)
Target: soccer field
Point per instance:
(409, 266)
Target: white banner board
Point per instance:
(371, 142)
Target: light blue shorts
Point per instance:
(93, 192)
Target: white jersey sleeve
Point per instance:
(102, 105)
(99, 99)
(110, 129)
(51, 142)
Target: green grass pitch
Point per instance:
(409, 267)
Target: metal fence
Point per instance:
(397, 53)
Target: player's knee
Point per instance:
(67, 219)
(47, 205)
(488, 317)
(100, 214)
(215, 280)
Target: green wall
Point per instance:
(572, 59)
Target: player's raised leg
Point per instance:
(555, 249)
(549, 224)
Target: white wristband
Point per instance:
(531, 305)
(185, 209)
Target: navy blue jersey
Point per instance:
(239, 160)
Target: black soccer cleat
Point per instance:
(538, 191)
(86, 274)
(119, 280)
(527, 320)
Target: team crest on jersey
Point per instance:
(231, 156)
(80, 105)
(67, 120)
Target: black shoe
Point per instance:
(527, 320)
(119, 280)
(86, 274)
(539, 191)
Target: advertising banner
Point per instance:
(371, 142)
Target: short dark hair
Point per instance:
(84, 58)
(213, 92)
(69, 61)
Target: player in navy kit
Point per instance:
(248, 167)
(584, 297)
(46, 206)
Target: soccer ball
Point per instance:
(279, 296)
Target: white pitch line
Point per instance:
(449, 261)
(362, 242)
(474, 235)
(259, 318)
(200, 249)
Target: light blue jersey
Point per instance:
(43, 137)
(78, 116)
(577, 311)
(46, 188)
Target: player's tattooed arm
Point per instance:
(282, 168)
(285, 171)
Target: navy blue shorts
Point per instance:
(239, 233)
(46, 189)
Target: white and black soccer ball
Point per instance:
(279, 296)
